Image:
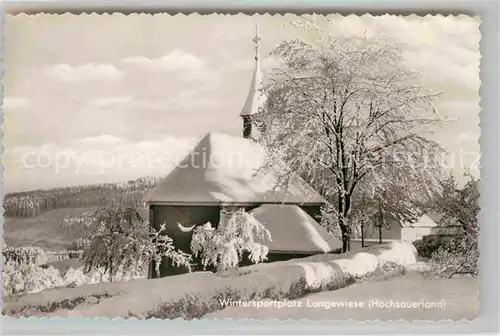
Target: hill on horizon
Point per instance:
(28, 204)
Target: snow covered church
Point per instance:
(219, 174)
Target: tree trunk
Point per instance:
(152, 274)
(380, 225)
(380, 234)
(346, 233)
(342, 215)
(348, 238)
(362, 233)
(111, 271)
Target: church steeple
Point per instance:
(256, 99)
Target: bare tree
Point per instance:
(346, 112)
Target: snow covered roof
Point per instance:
(256, 99)
(293, 230)
(425, 221)
(220, 170)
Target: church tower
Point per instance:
(256, 99)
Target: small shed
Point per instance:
(427, 224)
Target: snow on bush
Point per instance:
(197, 294)
(458, 205)
(401, 253)
(29, 278)
(25, 255)
(77, 277)
(285, 281)
(361, 264)
(118, 238)
(319, 274)
(461, 257)
(223, 247)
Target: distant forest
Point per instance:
(33, 203)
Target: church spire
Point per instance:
(256, 42)
(256, 99)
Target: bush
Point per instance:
(77, 277)
(79, 244)
(287, 280)
(25, 255)
(461, 257)
(458, 205)
(385, 271)
(196, 294)
(29, 278)
(283, 282)
(431, 243)
(238, 232)
(117, 238)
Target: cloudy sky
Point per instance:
(94, 98)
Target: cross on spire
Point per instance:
(256, 99)
(256, 41)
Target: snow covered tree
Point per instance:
(459, 205)
(119, 239)
(238, 232)
(342, 112)
(399, 195)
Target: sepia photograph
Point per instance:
(319, 167)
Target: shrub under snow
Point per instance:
(362, 263)
(77, 277)
(400, 253)
(116, 237)
(29, 278)
(223, 247)
(197, 294)
(25, 255)
(284, 280)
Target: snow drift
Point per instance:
(193, 295)
(362, 263)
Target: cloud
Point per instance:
(452, 66)
(15, 103)
(467, 137)
(115, 101)
(176, 60)
(190, 90)
(85, 72)
(184, 66)
(267, 64)
(182, 100)
(446, 49)
(92, 160)
(101, 140)
(129, 102)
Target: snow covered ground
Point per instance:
(439, 299)
(195, 294)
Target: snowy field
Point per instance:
(202, 294)
(457, 299)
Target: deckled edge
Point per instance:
(215, 12)
(2, 93)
